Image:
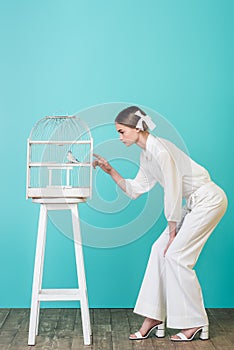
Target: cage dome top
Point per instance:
(60, 128)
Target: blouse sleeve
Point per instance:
(142, 183)
(172, 186)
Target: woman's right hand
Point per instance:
(105, 166)
(102, 163)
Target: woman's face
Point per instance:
(127, 135)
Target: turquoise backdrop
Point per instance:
(175, 57)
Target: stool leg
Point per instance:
(37, 278)
(81, 276)
(41, 276)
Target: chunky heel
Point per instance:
(204, 335)
(160, 331)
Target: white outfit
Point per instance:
(170, 288)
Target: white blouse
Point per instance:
(164, 163)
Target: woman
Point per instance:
(170, 288)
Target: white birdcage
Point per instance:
(59, 159)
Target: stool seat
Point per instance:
(39, 294)
(59, 200)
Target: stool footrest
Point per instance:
(59, 294)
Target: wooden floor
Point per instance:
(61, 329)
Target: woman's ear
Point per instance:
(137, 130)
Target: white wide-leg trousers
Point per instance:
(170, 288)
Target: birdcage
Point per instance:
(59, 158)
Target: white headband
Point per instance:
(146, 119)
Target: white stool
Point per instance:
(39, 294)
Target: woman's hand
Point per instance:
(172, 233)
(105, 166)
(102, 163)
(168, 245)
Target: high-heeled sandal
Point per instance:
(204, 335)
(160, 332)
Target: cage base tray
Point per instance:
(59, 192)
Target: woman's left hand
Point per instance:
(168, 245)
(172, 234)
